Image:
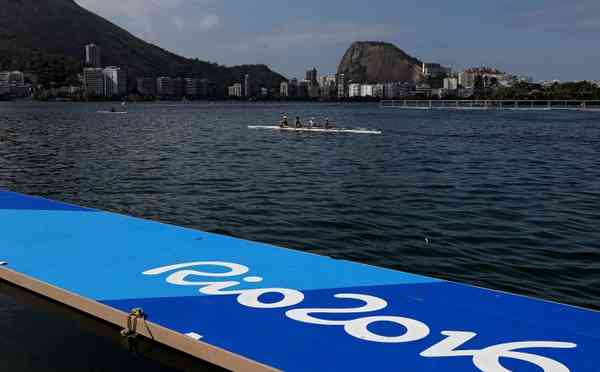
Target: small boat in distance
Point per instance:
(112, 111)
(317, 129)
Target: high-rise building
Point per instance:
(165, 87)
(328, 86)
(284, 89)
(93, 55)
(115, 82)
(341, 86)
(146, 86)
(312, 76)
(293, 87)
(248, 86)
(93, 81)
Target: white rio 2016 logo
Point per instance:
(487, 359)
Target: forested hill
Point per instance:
(47, 37)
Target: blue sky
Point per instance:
(544, 39)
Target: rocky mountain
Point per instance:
(47, 37)
(378, 62)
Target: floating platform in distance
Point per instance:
(316, 130)
(249, 306)
(505, 105)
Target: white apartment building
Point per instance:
(235, 90)
(92, 55)
(366, 90)
(115, 82)
(450, 83)
(284, 89)
(354, 90)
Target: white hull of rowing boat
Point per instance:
(317, 130)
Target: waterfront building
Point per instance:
(435, 70)
(165, 87)
(328, 86)
(440, 93)
(191, 87)
(68, 91)
(314, 91)
(466, 79)
(466, 92)
(146, 86)
(302, 91)
(115, 82)
(342, 91)
(12, 78)
(93, 81)
(248, 86)
(378, 90)
(4, 78)
(235, 90)
(312, 76)
(423, 90)
(205, 88)
(354, 90)
(366, 90)
(284, 89)
(93, 56)
(179, 85)
(396, 90)
(391, 90)
(451, 84)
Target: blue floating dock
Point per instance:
(255, 307)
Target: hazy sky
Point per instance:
(545, 39)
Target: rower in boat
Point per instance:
(284, 122)
(298, 124)
(328, 124)
(311, 123)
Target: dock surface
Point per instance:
(255, 307)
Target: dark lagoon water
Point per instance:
(504, 200)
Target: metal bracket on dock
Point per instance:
(132, 321)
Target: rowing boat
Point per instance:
(111, 112)
(317, 130)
